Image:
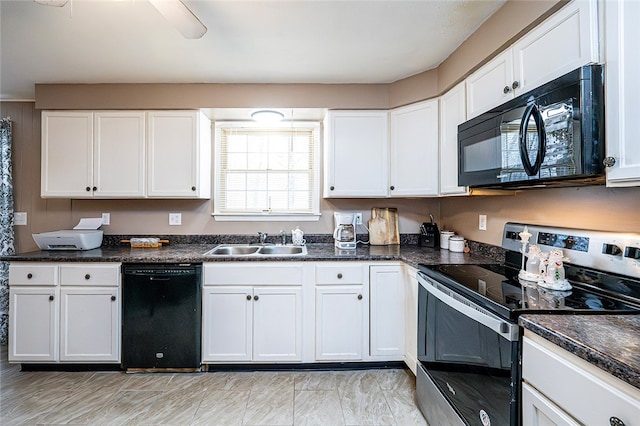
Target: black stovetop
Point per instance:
(497, 288)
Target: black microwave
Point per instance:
(552, 135)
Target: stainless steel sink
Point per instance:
(282, 250)
(238, 250)
(229, 250)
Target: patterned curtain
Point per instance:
(6, 222)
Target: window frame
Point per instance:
(315, 213)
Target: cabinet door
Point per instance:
(386, 312)
(356, 156)
(452, 114)
(227, 324)
(339, 323)
(491, 85)
(119, 148)
(622, 33)
(90, 324)
(277, 324)
(179, 155)
(414, 150)
(539, 411)
(565, 41)
(67, 154)
(33, 324)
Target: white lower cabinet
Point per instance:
(560, 388)
(89, 324)
(67, 312)
(341, 311)
(33, 319)
(252, 314)
(339, 323)
(386, 312)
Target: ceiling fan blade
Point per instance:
(56, 3)
(179, 15)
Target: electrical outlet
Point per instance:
(106, 218)
(20, 218)
(482, 222)
(358, 218)
(175, 218)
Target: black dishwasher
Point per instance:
(161, 317)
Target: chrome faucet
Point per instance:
(262, 236)
(283, 235)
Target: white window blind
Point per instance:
(267, 170)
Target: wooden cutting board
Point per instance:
(383, 226)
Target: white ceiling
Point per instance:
(260, 41)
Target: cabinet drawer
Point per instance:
(251, 273)
(33, 274)
(90, 274)
(587, 393)
(339, 274)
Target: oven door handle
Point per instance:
(507, 330)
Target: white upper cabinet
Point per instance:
(67, 154)
(118, 165)
(93, 154)
(356, 154)
(179, 155)
(413, 150)
(565, 41)
(622, 33)
(125, 154)
(452, 114)
(490, 85)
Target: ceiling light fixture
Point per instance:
(267, 116)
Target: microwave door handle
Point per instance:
(532, 169)
(542, 139)
(506, 330)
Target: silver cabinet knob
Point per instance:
(87, 277)
(339, 276)
(609, 162)
(256, 297)
(506, 89)
(515, 85)
(359, 297)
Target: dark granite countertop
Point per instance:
(194, 253)
(610, 342)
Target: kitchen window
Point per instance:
(267, 172)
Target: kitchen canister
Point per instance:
(444, 239)
(457, 243)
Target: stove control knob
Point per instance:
(611, 249)
(632, 252)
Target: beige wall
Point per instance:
(592, 207)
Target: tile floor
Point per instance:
(354, 397)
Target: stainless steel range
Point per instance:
(469, 343)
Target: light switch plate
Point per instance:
(175, 218)
(482, 222)
(20, 218)
(106, 218)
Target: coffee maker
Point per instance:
(345, 230)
